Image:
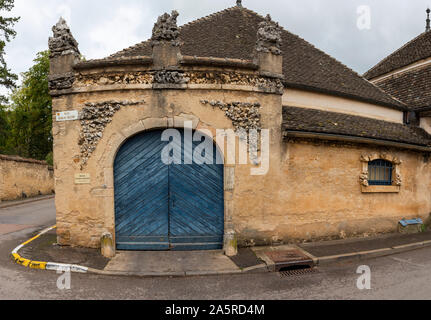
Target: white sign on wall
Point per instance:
(82, 178)
(67, 116)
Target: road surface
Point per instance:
(403, 276)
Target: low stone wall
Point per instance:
(22, 178)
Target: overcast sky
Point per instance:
(103, 27)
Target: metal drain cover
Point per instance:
(289, 258)
(297, 272)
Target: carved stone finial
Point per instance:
(62, 42)
(269, 37)
(166, 29)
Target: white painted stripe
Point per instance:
(79, 269)
(15, 251)
(46, 230)
(52, 266)
(56, 266)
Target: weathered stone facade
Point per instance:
(21, 178)
(94, 119)
(166, 29)
(269, 37)
(311, 190)
(244, 116)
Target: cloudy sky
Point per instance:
(103, 27)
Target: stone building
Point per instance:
(344, 158)
(406, 75)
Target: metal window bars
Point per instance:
(380, 173)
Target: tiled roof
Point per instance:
(324, 122)
(417, 49)
(231, 33)
(412, 87)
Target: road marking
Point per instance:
(41, 265)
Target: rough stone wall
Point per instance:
(24, 178)
(86, 211)
(316, 195)
(312, 190)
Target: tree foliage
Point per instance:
(7, 33)
(25, 117)
(29, 119)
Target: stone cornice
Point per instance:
(103, 63)
(218, 62)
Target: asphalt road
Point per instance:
(404, 276)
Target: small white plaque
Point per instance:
(67, 116)
(82, 178)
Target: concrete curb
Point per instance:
(53, 266)
(360, 255)
(20, 203)
(176, 274)
(41, 265)
(263, 268)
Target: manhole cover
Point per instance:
(289, 258)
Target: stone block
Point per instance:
(229, 182)
(62, 64)
(155, 123)
(165, 55)
(107, 245)
(270, 63)
(134, 129)
(230, 244)
(182, 118)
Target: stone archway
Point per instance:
(118, 139)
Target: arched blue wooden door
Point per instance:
(166, 207)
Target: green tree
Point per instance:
(7, 33)
(4, 130)
(30, 118)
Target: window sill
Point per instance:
(381, 189)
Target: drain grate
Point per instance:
(289, 259)
(296, 272)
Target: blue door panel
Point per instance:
(166, 207)
(196, 204)
(141, 195)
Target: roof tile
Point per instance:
(412, 87)
(231, 33)
(417, 49)
(317, 121)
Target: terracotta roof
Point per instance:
(417, 49)
(412, 87)
(324, 122)
(231, 33)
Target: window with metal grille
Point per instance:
(380, 173)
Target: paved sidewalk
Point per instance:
(193, 263)
(171, 263)
(332, 251)
(13, 203)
